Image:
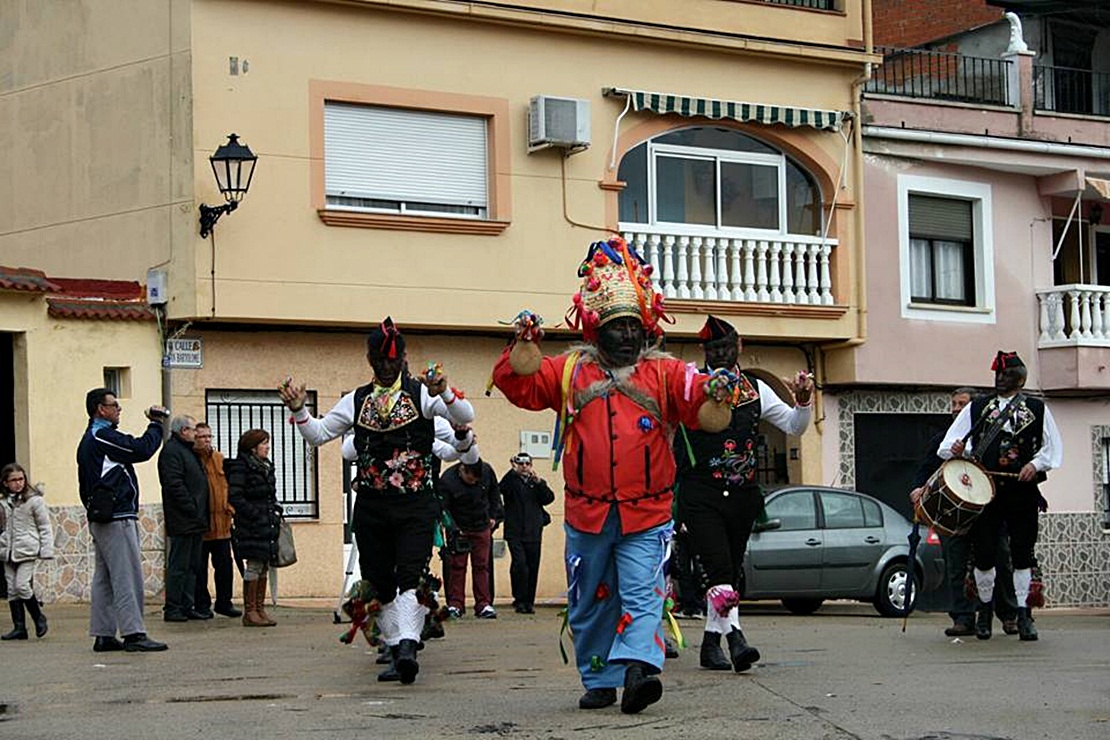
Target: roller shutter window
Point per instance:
(942, 258)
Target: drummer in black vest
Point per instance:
(957, 548)
(1015, 438)
(395, 510)
(717, 493)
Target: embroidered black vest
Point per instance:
(727, 457)
(1010, 450)
(394, 449)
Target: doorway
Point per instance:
(7, 398)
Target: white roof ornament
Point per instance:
(1017, 39)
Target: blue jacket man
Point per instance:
(110, 493)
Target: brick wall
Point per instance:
(906, 23)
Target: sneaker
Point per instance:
(454, 612)
(106, 645)
(487, 612)
(140, 643)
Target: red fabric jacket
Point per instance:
(616, 449)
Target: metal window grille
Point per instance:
(232, 412)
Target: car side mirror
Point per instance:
(766, 525)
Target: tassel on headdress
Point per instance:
(616, 282)
(385, 340)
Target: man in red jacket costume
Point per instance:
(619, 399)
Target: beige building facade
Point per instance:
(399, 173)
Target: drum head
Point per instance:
(968, 480)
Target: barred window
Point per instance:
(232, 412)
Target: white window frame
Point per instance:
(979, 194)
(717, 156)
(405, 206)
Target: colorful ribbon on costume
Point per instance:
(668, 609)
(566, 410)
(564, 614)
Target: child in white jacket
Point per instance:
(26, 539)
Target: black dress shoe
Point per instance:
(641, 687)
(598, 699)
(961, 628)
(174, 617)
(199, 614)
(140, 643)
(106, 645)
(228, 610)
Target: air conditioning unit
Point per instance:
(558, 122)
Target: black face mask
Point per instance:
(1008, 381)
(722, 353)
(386, 369)
(620, 342)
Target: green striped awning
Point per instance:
(685, 105)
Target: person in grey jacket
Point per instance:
(185, 507)
(26, 539)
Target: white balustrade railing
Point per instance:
(786, 269)
(1074, 315)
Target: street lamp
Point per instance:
(233, 165)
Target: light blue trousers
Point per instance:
(615, 595)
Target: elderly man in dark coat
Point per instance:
(185, 508)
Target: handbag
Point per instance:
(286, 548)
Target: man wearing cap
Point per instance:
(1015, 438)
(524, 494)
(718, 496)
(618, 401)
(395, 509)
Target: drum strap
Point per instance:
(996, 426)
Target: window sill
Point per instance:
(942, 308)
(394, 222)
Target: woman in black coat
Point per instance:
(252, 492)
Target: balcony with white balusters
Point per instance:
(788, 270)
(1074, 340)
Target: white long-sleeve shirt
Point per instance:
(342, 416)
(445, 446)
(1049, 457)
(790, 419)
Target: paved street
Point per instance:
(843, 673)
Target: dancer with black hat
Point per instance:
(719, 498)
(395, 510)
(618, 400)
(1015, 438)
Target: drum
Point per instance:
(954, 496)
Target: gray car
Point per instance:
(828, 543)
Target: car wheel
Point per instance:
(890, 600)
(802, 606)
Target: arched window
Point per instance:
(717, 180)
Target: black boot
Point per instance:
(984, 615)
(390, 673)
(743, 654)
(712, 656)
(641, 687)
(597, 699)
(405, 661)
(385, 655)
(1026, 631)
(19, 621)
(37, 616)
